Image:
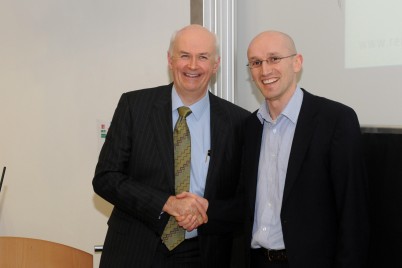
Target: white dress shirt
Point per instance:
(199, 125)
(276, 143)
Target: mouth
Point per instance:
(270, 81)
(190, 75)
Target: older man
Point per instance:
(170, 166)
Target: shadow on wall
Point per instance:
(102, 205)
(3, 193)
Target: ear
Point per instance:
(298, 63)
(169, 58)
(216, 65)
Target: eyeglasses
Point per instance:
(270, 60)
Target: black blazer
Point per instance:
(324, 211)
(135, 173)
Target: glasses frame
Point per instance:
(270, 61)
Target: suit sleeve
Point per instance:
(114, 179)
(349, 180)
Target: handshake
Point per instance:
(189, 210)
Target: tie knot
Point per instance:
(184, 111)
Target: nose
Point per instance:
(266, 68)
(192, 62)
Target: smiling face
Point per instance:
(276, 81)
(193, 60)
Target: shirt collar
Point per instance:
(291, 110)
(197, 109)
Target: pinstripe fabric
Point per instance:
(135, 173)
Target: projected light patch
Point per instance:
(373, 32)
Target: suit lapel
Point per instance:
(303, 134)
(252, 156)
(162, 127)
(219, 130)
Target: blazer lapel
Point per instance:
(162, 127)
(252, 157)
(301, 140)
(219, 131)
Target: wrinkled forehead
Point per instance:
(195, 40)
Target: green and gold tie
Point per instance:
(173, 234)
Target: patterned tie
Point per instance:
(173, 234)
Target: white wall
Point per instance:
(319, 29)
(64, 65)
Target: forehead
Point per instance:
(268, 44)
(195, 41)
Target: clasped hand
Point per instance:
(189, 210)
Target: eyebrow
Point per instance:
(199, 54)
(270, 55)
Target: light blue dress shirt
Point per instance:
(276, 143)
(199, 125)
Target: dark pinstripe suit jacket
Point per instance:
(135, 173)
